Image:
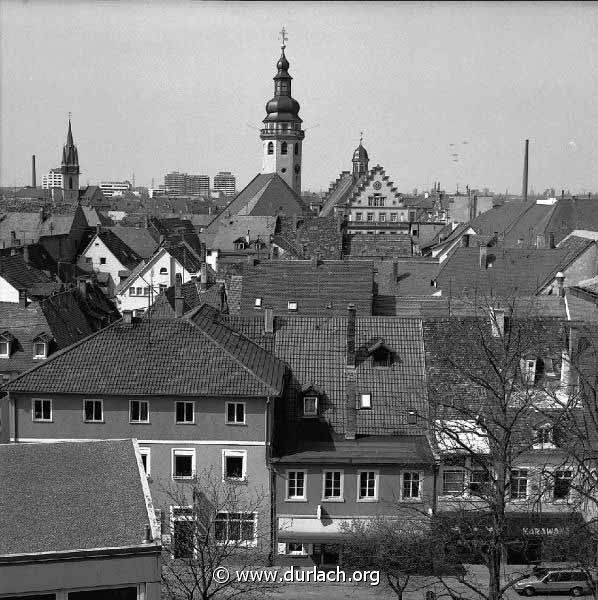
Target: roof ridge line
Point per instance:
(235, 358)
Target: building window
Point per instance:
(235, 527)
(370, 216)
(296, 549)
(295, 485)
(310, 406)
(562, 485)
(235, 413)
(146, 291)
(258, 303)
(183, 463)
(234, 465)
(358, 216)
(182, 528)
(382, 357)
(270, 148)
(132, 291)
(145, 454)
(184, 412)
(296, 149)
(4, 349)
(412, 483)
(140, 291)
(519, 484)
(139, 411)
(333, 485)
(41, 410)
(544, 437)
(283, 148)
(88, 260)
(528, 370)
(292, 305)
(393, 216)
(365, 401)
(93, 411)
(479, 480)
(163, 271)
(102, 260)
(381, 217)
(368, 488)
(452, 482)
(40, 350)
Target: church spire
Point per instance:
(70, 168)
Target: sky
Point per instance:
(442, 92)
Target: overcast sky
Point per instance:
(162, 86)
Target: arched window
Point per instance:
(163, 271)
(270, 148)
(283, 148)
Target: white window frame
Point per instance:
(147, 452)
(131, 412)
(7, 353)
(310, 414)
(373, 498)
(365, 401)
(420, 486)
(234, 454)
(453, 470)
(227, 422)
(547, 427)
(101, 420)
(185, 402)
(40, 356)
(340, 498)
(42, 420)
(182, 452)
(239, 543)
(292, 306)
(527, 484)
(289, 552)
(257, 303)
(290, 498)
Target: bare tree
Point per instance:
(217, 530)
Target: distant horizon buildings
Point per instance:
(52, 179)
(183, 184)
(226, 183)
(114, 188)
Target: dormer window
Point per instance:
(41, 345)
(380, 353)
(365, 401)
(544, 437)
(310, 406)
(292, 305)
(5, 344)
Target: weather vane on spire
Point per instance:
(70, 115)
(360, 137)
(283, 36)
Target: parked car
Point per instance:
(555, 581)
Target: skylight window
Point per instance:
(365, 401)
(292, 305)
(258, 303)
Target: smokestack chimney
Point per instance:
(179, 301)
(525, 170)
(351, 335)
(33, 178)
(483, 257)
(268, 320)
(203, 284)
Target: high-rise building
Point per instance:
(226, 183)
(52, 179)
(183, 184)
(282, 134)
(114, 188)
(70, 169)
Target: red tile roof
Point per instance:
(70, 496)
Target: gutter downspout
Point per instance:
(272, 473)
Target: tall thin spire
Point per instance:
(69, 137)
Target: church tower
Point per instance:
(360, 161)
(70, 169)
(282, 134)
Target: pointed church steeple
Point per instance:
(282, 134)
(70, 168)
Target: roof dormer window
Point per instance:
(527, 367)
(292, 305)
(41, 345)
(544, 437)
(381, 354)
(365, 401)
(6, 344)
(258, 303)
(310, 406)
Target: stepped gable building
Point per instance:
(95, 535)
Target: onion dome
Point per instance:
(360, 154)
(283, 107)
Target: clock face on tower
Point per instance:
(377, 185)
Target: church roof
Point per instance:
(360, 154)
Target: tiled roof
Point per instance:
(138, 239)
(315, 349)
(70, 496)
(26, 277)
(227, 230)
(339, 192)
(151, 357)
(570, 214)
(314, 288)
(123, 253)
(519, 271)
(306, 237)
(267, 194)
(385, 246)
(164, 306)
(186, 256)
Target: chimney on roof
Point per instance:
(22, 298)
(350, 407)
(222, 297)
(98, 228)
(127, 317)
(351, 335)
(147, 538)
(268, 320)
(560, 281)
(562, 193)
(179, 301)
(483, 256)
(203, 283)
(551, 243)
(33, 178)
(525, 170)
